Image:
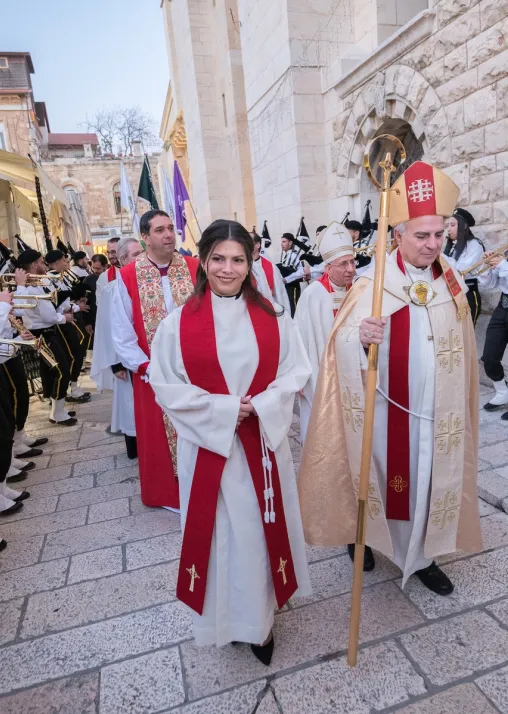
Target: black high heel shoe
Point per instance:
(264, 652)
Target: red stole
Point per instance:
(199, 354)
(267, 266)
(325, 282)
(398, 462)
(111, 273)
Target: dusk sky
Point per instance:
(90, 55)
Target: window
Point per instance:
(4, 63)
(116, 198)
(3, 137)
(72, 194)
(224, 110)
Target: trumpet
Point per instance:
(9, 280)
(53, 296)
(36, 342)
(71, 276)
(19, 343)
(368, 251)
(477, 268)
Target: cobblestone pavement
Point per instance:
(89, 621)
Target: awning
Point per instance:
(18, 170)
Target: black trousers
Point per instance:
(474, 299)
(17, 387)
(7, 427)
(496, 341)
(75, 345)
(55, 380)
(294, 291)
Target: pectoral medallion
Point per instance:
(420, 292)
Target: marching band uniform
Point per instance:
(423, 492)
(236, 567)
(146, 294)
(316, 311)
(269, 282)
(496, 338)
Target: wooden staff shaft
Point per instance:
(368, 428)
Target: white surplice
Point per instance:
(103, 357)
(408, 537)
(240, 600)
(314, 320)
(281, 295)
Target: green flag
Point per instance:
(146, 188)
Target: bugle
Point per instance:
(480, 267)
(38, 342)
(50, 296)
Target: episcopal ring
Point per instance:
(370, 333)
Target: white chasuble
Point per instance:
(240, 601)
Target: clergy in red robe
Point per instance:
(151, 287)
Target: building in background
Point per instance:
(278, 101)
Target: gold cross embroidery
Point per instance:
(449, 433)
(450, 351)
(398, 484)
(445, 510)
(282, 570)
(353, 414)
(193, 574)
(373, 503)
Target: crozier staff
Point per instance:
(225, 368)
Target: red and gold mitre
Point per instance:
(422, 190)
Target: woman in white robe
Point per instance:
(240, 600)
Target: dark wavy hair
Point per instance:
(464, 235)
(218, 232)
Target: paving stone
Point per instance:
(32, 506)
(153, 550)
(465, 699)
(496, 455)
(123, 460)
(91, 601)
(147, 684)
(102, 535)
(41, 462)
(242, 700)
(126, 474)
(61, 486)
(485, 508)
(495, 433)
(492, 487)
(457, 648)
(45, 524)
(91, 437)
(97, 495)
(335, 576)
(33, 579)
(477, 580)
(96, 452)
(75, 695)
(108, 510)
(315, 553)
(65, 653)
(268, 705)
(94, 466)
(500, 610)
(61, 447)
(97, 564)
(382, 678)
(495, 530)
(48, 475)
(301, 635)
(9, 620)
(137, 506)
(495, 686)
(52, 432)
(20, 553)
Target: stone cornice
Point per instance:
(401, 42)
(166, 113)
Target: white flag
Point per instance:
(127, 200)
(169, 196)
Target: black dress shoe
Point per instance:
(13, 509)
(368, 559)
(493, 407)
(504, 416)
(18, 477)
(39, 442)
(3, 544)
(434, 579)
(29, 466)
(68, 422)
(78, 400)
(22, 497)
(30, 453)
(264, 652)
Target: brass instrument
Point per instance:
(477, 268)
(19, 343)
(37, 343)
(71, 276)
(33, 279)
(50, 296)
(367, 250)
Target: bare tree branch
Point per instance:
(121, 127)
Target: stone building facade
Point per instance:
(320, 80)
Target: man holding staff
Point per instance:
(422, 493)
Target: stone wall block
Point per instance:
(434, 73)
(482, 212)
(455, 63)
(429, 106)
(459, 173)
(506, 190)
(369, 94)
(492, 11)
(487, 188)
(455, 116)
(404, 79)
(437, 128)
(493, 69)
(341, 186)
(487, 44)
(391, 78)
(417, 90)
(458, 87)
(501, 212)
(342, 165)
(346, 145)
(448, 10)
(456, 34)
(339, 124)
(485, 165)
(421, 56)
(496, 137)
(480, 108)
(468, 146)
(502, 98)
(502, 161)
(359, 111)
(368, 127)
(334, 155)
(441, 154)
(351, 126)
